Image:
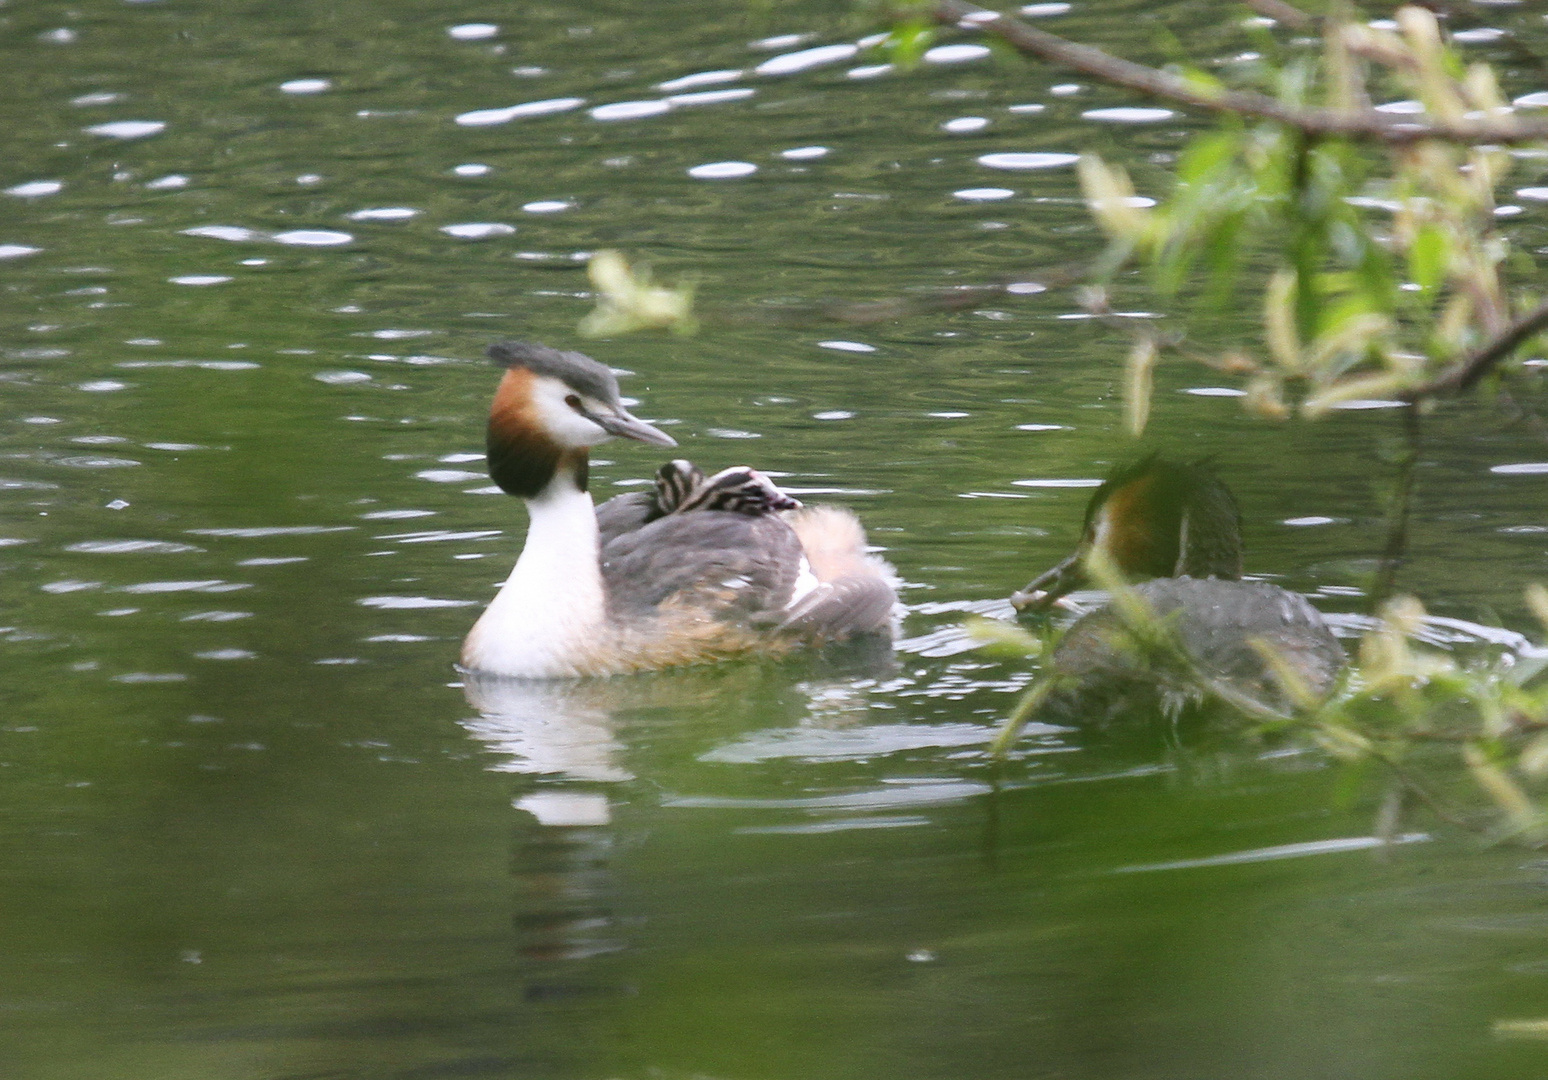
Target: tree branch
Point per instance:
(1282, 12)
(1465, 373)
(1362, 123)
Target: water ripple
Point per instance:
(273, 530)
(849, 744)
(911, 792)
(723, 170)
(209, 585)
(630, 110)
(702, 78)
(478, 230)
(126, 547)
(712, 97)
(486, 117)
(128, 129)
(34, 189)
(96, 462)
(1020, 161)
(790, 63)
(411, 603)
(313, 238)
(955, 54)
(1282, 851)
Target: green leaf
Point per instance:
(908, 41)
(1333, 317)
(1429, 257)
(1200, 80)
(1223, 248)
(1207, 157)
(1350, 782)
(1002, 638)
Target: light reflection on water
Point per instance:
(253, 825)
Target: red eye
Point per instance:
(572, 401)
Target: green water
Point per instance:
(253, 826)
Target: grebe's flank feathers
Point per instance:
(855, 592)
(1221, 626)
(625, 513)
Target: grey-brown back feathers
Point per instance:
(724, 546)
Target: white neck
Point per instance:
(551, 611)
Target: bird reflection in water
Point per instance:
(562, 732)
(564, 738)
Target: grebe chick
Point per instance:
(675, 481)
(627, 512)
(737, 490)
(708, 577)
(1179, 524)
(680, 487)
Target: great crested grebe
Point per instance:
(700, 570)
(1179, 524)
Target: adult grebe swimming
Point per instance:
(700, 571)
(1179, 524)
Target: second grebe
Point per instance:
(1179, 524)
(695, 572)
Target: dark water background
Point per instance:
(251, 824)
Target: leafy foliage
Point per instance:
(628, 300)
(1388, 272)
(1407, 715)
(1387, 278)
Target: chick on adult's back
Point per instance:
(730, 574)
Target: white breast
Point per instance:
(548, 616)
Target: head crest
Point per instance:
(587, 376)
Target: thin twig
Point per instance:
(1409, 781)
(1398, 513)
(1466, 372)
(1282, 12)
(1358, 123)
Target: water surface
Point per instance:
(252, 823)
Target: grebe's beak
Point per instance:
(620, 422)
(1044, 591)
